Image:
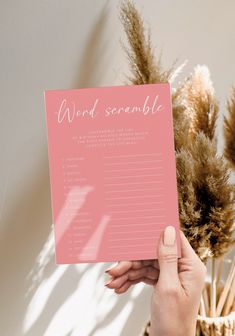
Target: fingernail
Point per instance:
(108, 282)
(109, 268)
(169, 236)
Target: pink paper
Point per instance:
(112, 171)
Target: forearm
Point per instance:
(177, 330)
(172, 322)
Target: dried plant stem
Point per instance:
(213, 289)
(198, 331)
(219, 271)
(233, 307)
(230, 298)
(206, 300)
(226, 289)
(202, 307)
(212, 330)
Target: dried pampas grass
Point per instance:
(181, 121)
(205, 192)
(144, 67)
(206, 197)
(198, 98)
(229, 131)
(206, 201)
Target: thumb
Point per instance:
(168, 257)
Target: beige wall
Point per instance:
(70, 44)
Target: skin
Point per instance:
(177, 286)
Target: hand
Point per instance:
(177, 285)
(127, 273)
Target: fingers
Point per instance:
(129, 283)
(152, 262)
(168, 257)
(123, 288)
(149, 281)
(121, 268)
(148, 272)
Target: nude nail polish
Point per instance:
(109, 268)
(169, 236)
(108, 282)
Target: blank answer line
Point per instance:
(128, 190)
(132, 155)
(129, 197)
(141, 183)
(145, 203)
(129, 246)
(125, 169)
(130, 225)
(139, 217)
(134, 231)
(132, 238)
(128, 162)
(128, 253)
(128, 176)
(138, 210)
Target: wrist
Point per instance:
(171, 329)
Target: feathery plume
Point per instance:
(205, 194)
(144, 67)
(229, 131)
(181, 122)
(206, 198)
(198, 97)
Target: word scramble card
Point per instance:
(112, 171)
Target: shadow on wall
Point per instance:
(95, 58)
(33, 288)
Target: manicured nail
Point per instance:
(169, 236)
(108, 282)
(109, 268)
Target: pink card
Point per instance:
(112, 171)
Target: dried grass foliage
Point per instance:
(145, 68)
(229, 131)
(206, 196)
